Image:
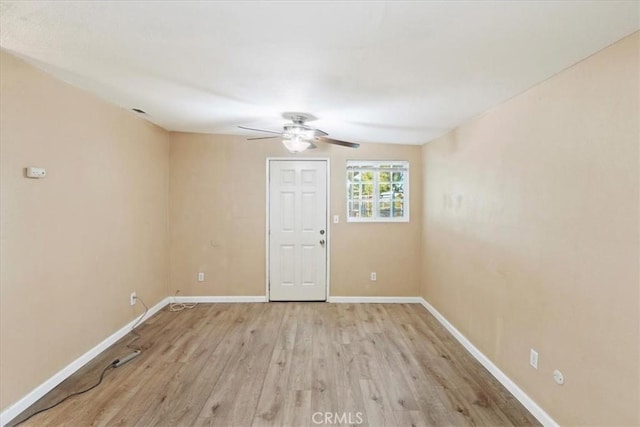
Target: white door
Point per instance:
(297, 230)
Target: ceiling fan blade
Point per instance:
(262, 137)
(338, 142)
(319, 132)
(260, 130)
(312, 146)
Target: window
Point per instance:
(377, 191)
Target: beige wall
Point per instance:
(531, 233)
(217, 216)
(77, 243)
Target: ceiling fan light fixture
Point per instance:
(298, 137)
(304, 132)
(295, 143)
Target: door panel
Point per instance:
(297, 214)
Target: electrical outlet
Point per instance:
(533, 359)
(374, 276)
(133, 298)
(201, 277)
(558, 377)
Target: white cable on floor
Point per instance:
(179, 306)
(135, 333)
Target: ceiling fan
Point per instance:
(297, 136)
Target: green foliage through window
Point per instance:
(377, 191)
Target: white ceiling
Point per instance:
(395, 72)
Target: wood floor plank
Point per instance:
(194, 394)
(234, 399)
(193, 378)
(430, 395)
(150, 391)
(377, 393)
(377, 406)
(297, 411)
(348, 391)
(287, 364)
(297, 406)
(411, 419)
(302, 359)
(323, 392)
(270, 410)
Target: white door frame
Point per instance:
(266, 231)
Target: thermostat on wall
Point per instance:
(36, 172)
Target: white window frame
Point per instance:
(374, 166)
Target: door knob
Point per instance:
(322, 242)
(321, 231)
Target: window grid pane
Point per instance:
(376, 191)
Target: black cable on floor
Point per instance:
(112, 365)
(77, 393)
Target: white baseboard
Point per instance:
(225, 299)
(215, 299)
(14, 410)
(374, 300)
(517, 392)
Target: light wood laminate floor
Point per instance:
(278, 364)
